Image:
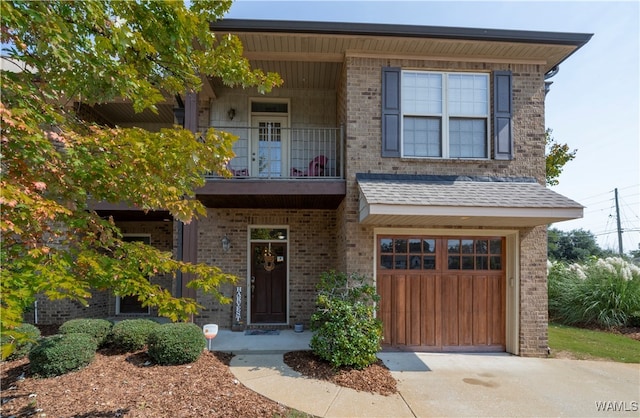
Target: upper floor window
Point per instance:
(445, 115)
(431, 114)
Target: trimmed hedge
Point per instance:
(60, 354)
(132, 334)
(26, 336)
(179, 343)
(97, 328)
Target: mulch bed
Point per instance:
(375, 379)
(119, 384)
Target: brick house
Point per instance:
(412, 155)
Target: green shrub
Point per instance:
(60, 354)
(132, 334)
(346, 331)
(177, 343)
(21, 339)
(602, 292)
(97, 328)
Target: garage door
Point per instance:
(442, 293)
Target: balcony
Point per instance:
(280, 167)
(272, 152)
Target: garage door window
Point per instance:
(474, 254)
(427, 253)
(408, 253)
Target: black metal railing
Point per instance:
(273, 152)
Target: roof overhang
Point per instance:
(266, 41)
(394, 200)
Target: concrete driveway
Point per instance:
(441, 385)
(501, 385)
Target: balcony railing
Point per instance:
(270, 151)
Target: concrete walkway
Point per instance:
(444, 385)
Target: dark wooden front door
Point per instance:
(268, 283)
(442, 293)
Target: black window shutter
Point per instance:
(502, 112)
(390, 111)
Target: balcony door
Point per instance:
(270, 146)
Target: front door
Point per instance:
(269, 146)
(268, 283)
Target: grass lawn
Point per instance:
(588, 344)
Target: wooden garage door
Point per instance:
(442, 293)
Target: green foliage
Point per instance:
(588, 344)
(602, 292)
(557, 155)
(572, 246)
(20, 341)
(177, 343)
(132, 334)
(77, 54)
(99, 329)
(346, 330)
(60, 354)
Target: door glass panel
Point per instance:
(386, 245)
(268, 234)
(453, 262)
(482, 262)
(482, 247)
(269, 149)
(467, 262)
(401, 245)
(401, 262)
(496, 246)
(415, 245)
(386, 261)
(429, 246)
(415, 262)
(467, 246)
(495, 263)
(429, 262)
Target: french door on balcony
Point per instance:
(269, 146)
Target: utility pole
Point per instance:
(620, 251)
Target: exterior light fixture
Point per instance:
(226, 243)
(231, 113)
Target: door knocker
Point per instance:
(269, 259)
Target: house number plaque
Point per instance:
(238, 303)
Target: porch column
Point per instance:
(189, 248)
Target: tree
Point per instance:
(572, 246)
(557, 156)
(53, 163)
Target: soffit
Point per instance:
(315, 60)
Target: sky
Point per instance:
(593, 105)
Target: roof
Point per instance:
(461, 201)
(412, 31)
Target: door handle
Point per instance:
(253, 286)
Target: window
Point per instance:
(445, 115)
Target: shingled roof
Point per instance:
(461, 200)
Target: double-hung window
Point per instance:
(444, 114)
